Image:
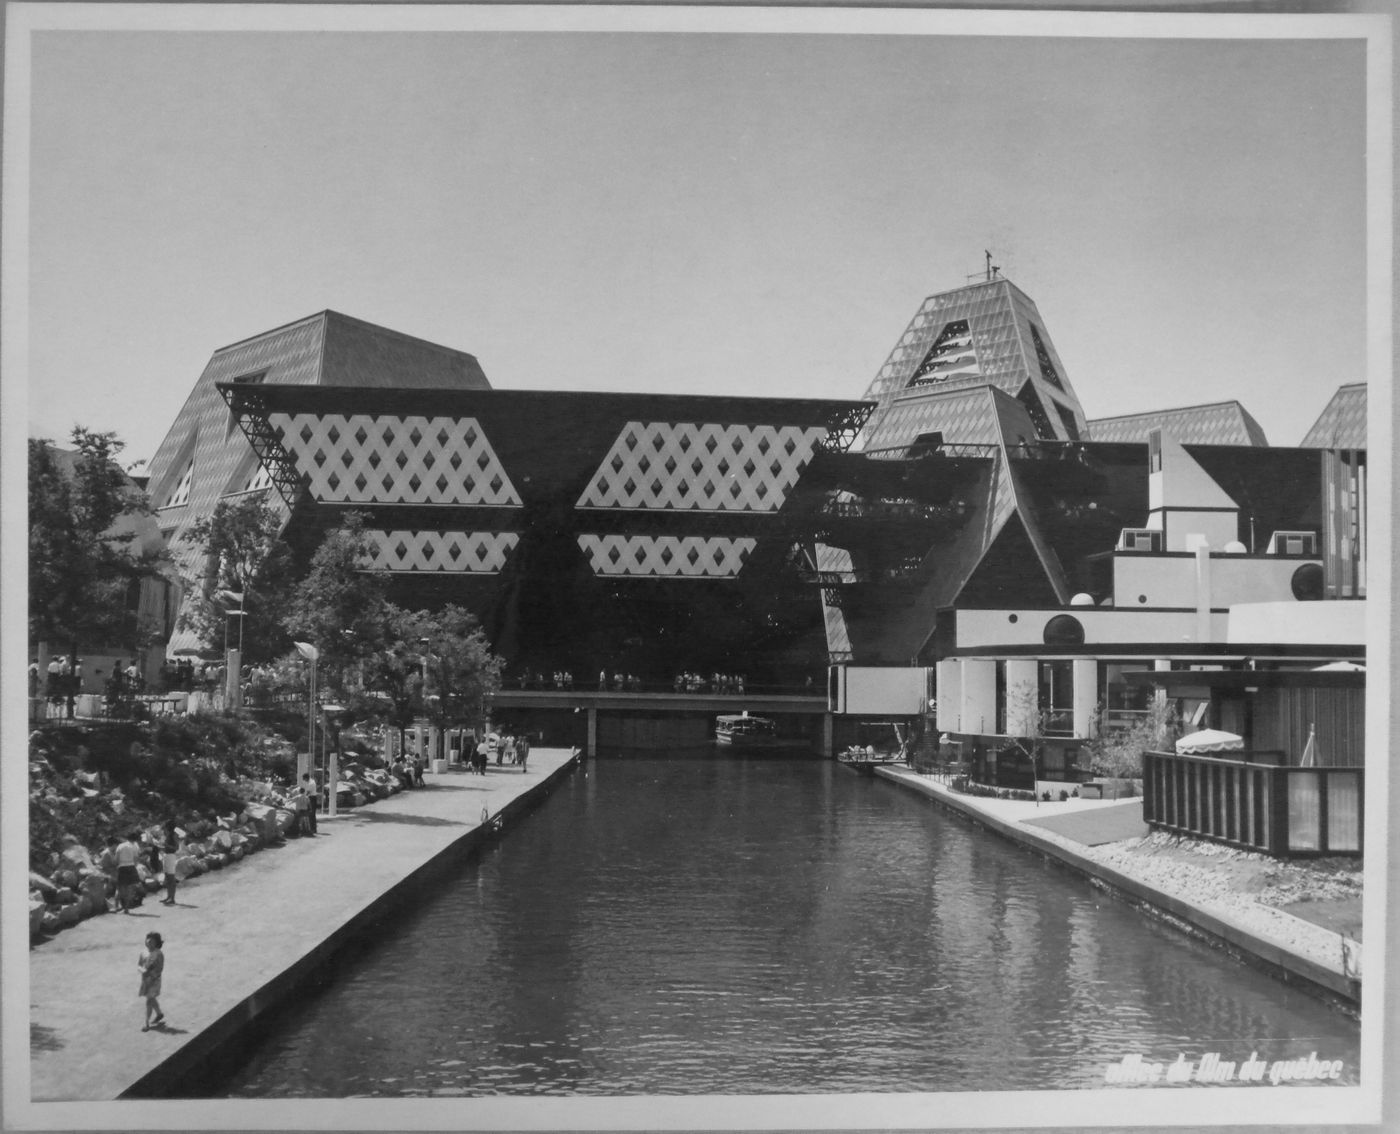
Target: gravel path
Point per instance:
(1238, 886)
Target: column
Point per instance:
(1086, 697)
(949, 696)
(978, 710)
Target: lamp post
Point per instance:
(233, 660)
(310, 653)
(335, 721)
(423, 644)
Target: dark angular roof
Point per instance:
(331, 349)
(1217, 423)
(1342, 424)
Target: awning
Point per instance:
(1209, 740)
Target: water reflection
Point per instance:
(742, 925)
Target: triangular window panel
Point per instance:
(1036, 408)
(951, 355)
(1047, 367)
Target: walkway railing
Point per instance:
(1277, 810)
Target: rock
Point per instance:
(37, 909)
(65, 896)
(42, 884)
(49, 922)
(75, 854)
(68, 915)
(94, 889)
(237, 853)
(66, 879)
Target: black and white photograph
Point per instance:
(695, 567)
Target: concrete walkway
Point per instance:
(240, 941)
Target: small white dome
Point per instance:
(1083, 598)
(1235, 547)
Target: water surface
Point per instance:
(755, 925)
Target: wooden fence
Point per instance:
(1288, 812)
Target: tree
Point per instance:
(339, 607)
(1117, 751)
(246, 558)
(448, 649)
(395, 669)
(85, 551)
(462, 670)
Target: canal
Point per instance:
(736, 926)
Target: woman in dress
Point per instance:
(152, 964)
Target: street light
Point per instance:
(233, 689)
(310, 653)
(336, 716)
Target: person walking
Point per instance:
(522, 750)
(493, 746)
(127, 855)
(152, 965)
(169, 861)
(508, 748)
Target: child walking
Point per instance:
(152, 964)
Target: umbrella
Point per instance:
(1210, 740)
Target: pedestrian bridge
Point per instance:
(606, 720)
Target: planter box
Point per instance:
(1110, 789)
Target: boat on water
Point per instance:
(740, 732)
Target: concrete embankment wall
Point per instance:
(217, 1049)
(1183, 915)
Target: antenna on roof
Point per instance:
(991, 272)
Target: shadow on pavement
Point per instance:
(43, 1039)
(412, 820)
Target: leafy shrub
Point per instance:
(1117, 752)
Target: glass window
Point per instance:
(1057, 697)
(1304, 814)
(1343, 811)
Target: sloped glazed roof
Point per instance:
(1217, 423)
(1342, 424)
(205, 458)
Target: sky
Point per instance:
(707, 213)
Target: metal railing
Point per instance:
(1279, 810)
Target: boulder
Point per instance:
(50, 923)
(222, 840)
(42, 884)
(37, 909)
(95, 890)
(65, 896)
(73, 853)
(68, 915)
(236, 854)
